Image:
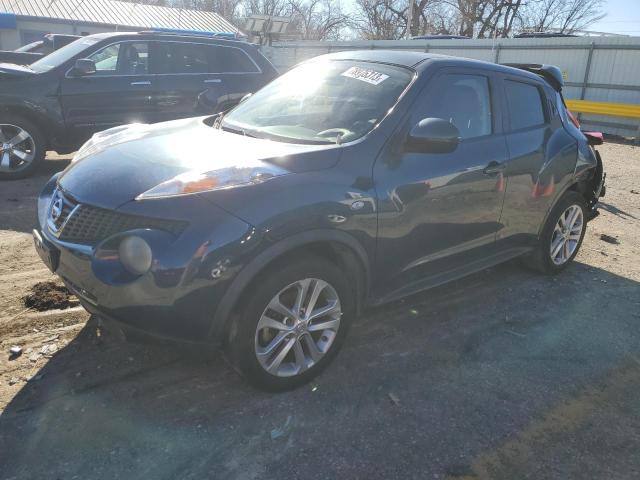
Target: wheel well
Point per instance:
(585, 188)
(580, 187)
(589, 185)
(337, 253)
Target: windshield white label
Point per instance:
(369, 76)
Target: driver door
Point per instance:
(120, 92)
(440, 212)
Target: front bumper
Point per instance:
(177, 298)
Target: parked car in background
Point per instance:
(543, 35)
(109, 79)
(31, 52)
(355, 179)
(440, 37)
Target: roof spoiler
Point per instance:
(550, 73)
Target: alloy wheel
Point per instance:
(298, 327)
(17, 148)
(566, 235)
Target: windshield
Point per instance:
(321, 102)
(62, 55)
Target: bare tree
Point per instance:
(318, 19)
(272, 8)
(228, 9)
(388, 19)
(378, 20)
(564, 16)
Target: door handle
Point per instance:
(140, 83)
(494, 168)
(213, 80)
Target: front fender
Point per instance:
(224, 312)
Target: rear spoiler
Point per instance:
(550, 73)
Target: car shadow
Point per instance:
(422, 386)
(615, 210)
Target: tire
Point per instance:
(541, 258)
(249, 339)
(33, 147)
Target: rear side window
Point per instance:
(175, 57)
(230, 60)
(525, 105)
(463, 100)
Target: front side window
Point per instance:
(525, 105)
(463, 100)
(321, 102)
(106, 60)
(126, 58)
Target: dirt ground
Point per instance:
(503, 375)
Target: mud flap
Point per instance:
(599, 188)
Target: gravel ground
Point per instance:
(504, 375)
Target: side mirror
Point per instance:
(433, 135)
(83, 67)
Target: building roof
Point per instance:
(113, 12)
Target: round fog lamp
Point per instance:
(135, 255)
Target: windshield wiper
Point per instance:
(238, 130)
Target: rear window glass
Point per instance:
(525, 105)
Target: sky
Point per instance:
(623, 16)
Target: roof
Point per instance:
(113, 12)
(405, 58)
(408, 58)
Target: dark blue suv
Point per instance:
(109, 79)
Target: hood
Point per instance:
(117, 165)
(12, 70)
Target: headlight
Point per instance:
(196, 182)
(135, 255)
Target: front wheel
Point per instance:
(562, 235)
(294, 322)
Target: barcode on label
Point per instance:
(369, 76)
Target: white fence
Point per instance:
(603, 69)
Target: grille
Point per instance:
(89, 225)
(59, 210)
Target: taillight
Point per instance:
(573, 119)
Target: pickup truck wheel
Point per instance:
(294, 320)
(22, 147)
(562, 235)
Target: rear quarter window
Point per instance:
(524, 102)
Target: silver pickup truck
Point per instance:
(28, 54)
